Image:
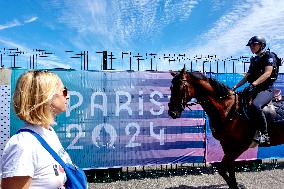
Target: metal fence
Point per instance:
(130, 61)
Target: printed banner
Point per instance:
(117, 119)
(121, 119)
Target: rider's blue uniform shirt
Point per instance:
(257, 68)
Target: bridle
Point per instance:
(184, 91)
(182, 86)
(184, 102)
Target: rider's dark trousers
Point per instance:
(261, 99)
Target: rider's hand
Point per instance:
(234, 88)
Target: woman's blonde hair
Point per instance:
(32, 97)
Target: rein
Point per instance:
(188, 105)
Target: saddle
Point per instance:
(274, 110)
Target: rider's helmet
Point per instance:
(257, 39)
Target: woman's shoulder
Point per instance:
(21, 140)
(21, 146)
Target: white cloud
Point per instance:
(11, 44)
(32, 19)
(51, 62)
(16, 23)
(10, 25)
(217, 5)
(119, 24)
(230, 34)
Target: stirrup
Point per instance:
(277, 94)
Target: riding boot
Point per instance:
(263, 132)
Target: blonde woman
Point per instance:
(39, 96)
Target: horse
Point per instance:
(223, 107)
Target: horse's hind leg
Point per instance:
(222, 171)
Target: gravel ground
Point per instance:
(265, 179)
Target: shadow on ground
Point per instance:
(219, 186)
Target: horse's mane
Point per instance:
(220, 88)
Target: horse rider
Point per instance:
(262, 73)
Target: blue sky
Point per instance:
(190, 27)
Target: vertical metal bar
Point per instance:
(81, 66)
(33, 61)
(111, 60)
(130, 62)
(14, 60)
(84, 58)
(87, 60)
(36, 61)
(217, 66)
(30, 62)
(104, 60)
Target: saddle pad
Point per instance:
(274, 112)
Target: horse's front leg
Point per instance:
(221, 168)
(232, 176)
(227, 170)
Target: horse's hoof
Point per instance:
(234, 187)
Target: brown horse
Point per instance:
(234, 131)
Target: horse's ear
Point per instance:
(183, 73)
(183, 69)
(173, 73)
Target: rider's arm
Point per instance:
(17, 182)
(264, 76)
(241, 82)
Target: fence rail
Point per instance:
(131, 61)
